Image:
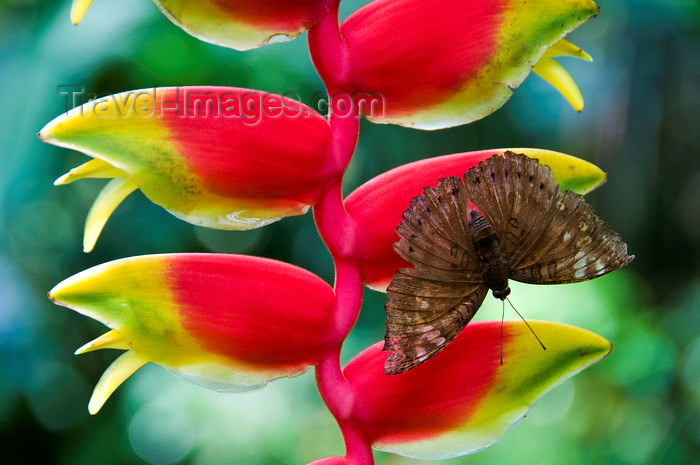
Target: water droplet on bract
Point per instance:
(278, 38)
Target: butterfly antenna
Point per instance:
(503, 315)
(524, 321)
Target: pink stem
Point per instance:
(337, 230)
(330, 55)
(339, 396)
(330, 52)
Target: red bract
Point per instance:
(268, 145)
(239, 24)
(245, 24)
(461, 43)
(465, 398)
(234, 304)
(442, 63)
(221, 157)
(230, 322)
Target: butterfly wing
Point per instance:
(515, 194)
(548, 236)
(430, 304)
(434, 231)
(425, 312)
(575, 246)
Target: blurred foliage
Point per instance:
(639, 406)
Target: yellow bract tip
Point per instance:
(557, 76)
(78, 9)
(94, 168)
(109, 340)
(109, 199)
(565, 48)
(123, 367)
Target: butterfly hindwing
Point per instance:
(425, 312)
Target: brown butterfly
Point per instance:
(523, 228)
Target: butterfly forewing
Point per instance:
(433, 234)
(576, 246)
(425, 312)
(515, 193)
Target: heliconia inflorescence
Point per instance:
(233, 158)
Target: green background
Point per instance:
(641, 125)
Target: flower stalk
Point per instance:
(338, 230)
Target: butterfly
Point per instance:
(506, 219)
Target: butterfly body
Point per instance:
(487, 247)
(522, 227)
